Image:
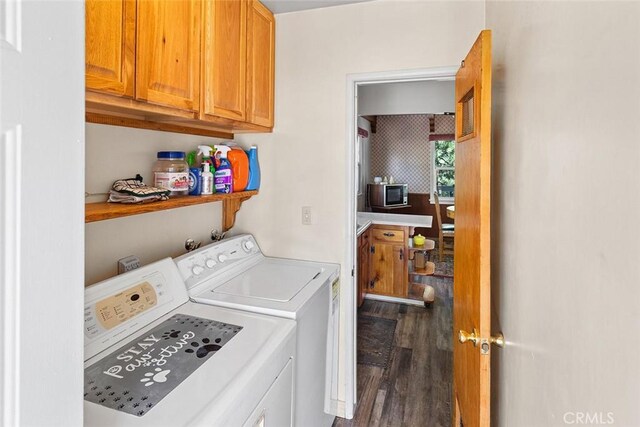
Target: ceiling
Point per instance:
(285, 6)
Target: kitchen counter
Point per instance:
(361, 226)
(365, 219)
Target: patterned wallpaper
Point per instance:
(401, 148)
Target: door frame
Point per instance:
(350, 297)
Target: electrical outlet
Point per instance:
(128, 263)
(306, 215)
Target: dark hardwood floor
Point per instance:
(415, 388)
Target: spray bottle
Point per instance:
(207, 179)
(223, 176)
(204, 154)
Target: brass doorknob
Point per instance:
(473, 337)
(498, 340)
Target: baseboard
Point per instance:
(397, 300)
(338, 407)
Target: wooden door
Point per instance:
(400, 279)
(224, 62)
(382, 268)
(388, 271)
(110, 46)
(472, 279)
(168, 53)
(261, 44)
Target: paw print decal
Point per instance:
(156, 376)
(171, 334)
(205, 349)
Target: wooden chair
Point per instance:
(445, 231)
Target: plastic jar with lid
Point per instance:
(171, 171)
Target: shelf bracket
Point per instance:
(229, 209)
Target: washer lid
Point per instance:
(270, 280)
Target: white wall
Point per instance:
(303, 160)
(426, 97)
(566, 258)
(117, 152)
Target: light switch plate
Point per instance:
(306, 215)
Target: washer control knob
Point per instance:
(197, 269)
(209, 263)
(247, 245)
(222, 258)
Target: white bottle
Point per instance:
(206, 179)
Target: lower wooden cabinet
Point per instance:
(363, 266)
(388, 261)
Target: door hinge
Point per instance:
(353, 273)
(373, 249)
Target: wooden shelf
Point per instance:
(231, 204)
(429, 245)
(428, 270)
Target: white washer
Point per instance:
(234, 273)
(153, 358)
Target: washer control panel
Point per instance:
(115, 309)
(123, 304)
(215, 258)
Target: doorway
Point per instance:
(411, 320)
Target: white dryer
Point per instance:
(234, 273)
(153, 358)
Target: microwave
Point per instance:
(388, 195)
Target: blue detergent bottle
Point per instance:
(254, 169)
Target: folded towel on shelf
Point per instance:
(133, 190)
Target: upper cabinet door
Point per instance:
(168, 53)
(224, 62)
(110, 46)
(261, 28)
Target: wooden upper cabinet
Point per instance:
(110, 46)
(261, 29)
(168, 53)
(194, 64)
(224, 59)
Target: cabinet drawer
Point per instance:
(388, 235)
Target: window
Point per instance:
(444, 171)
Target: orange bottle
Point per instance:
(240, 167)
